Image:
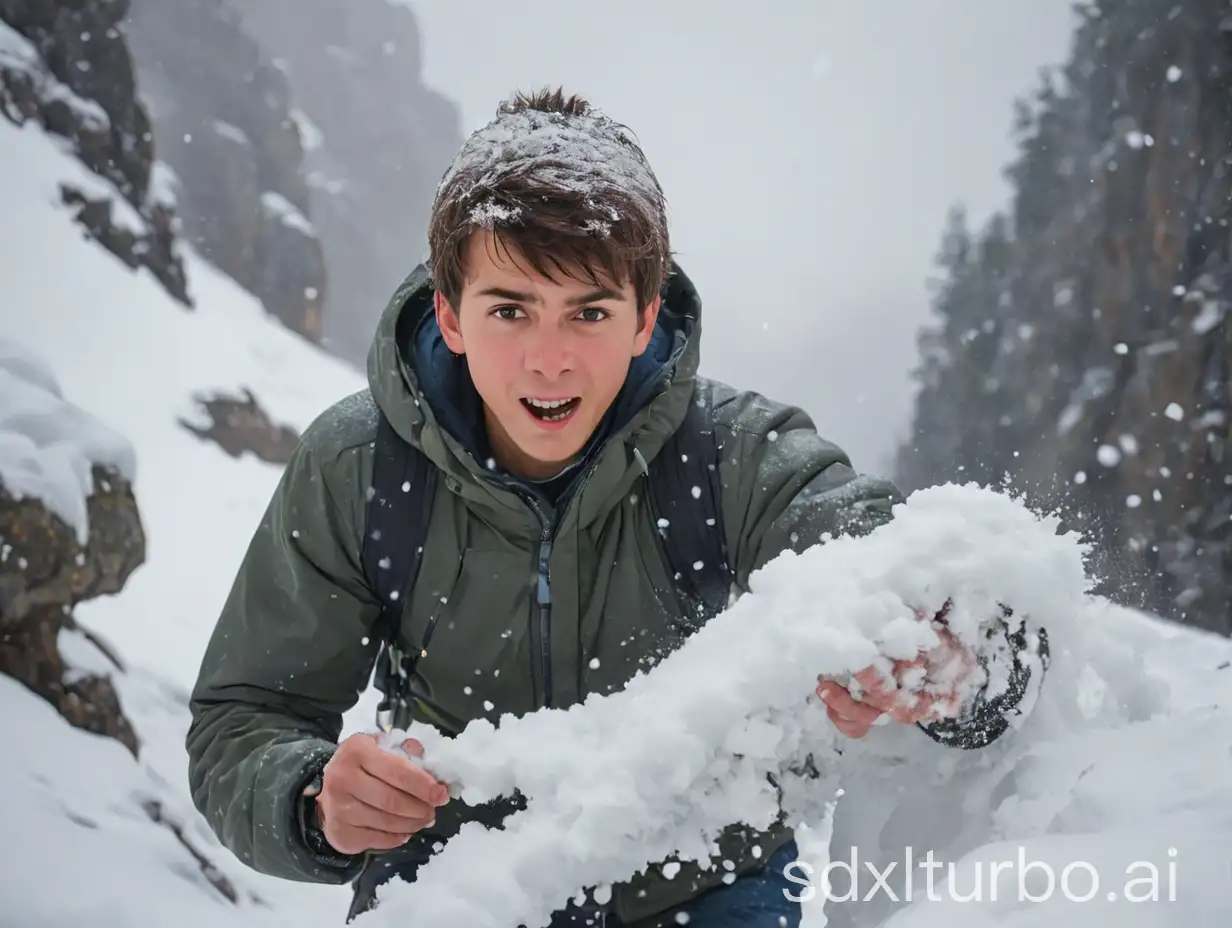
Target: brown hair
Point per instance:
(560, 185)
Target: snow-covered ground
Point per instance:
(1127, 755)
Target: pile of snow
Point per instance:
(619, 781)
(18, 54)
(1127, 751)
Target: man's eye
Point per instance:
(508, 313)
(594, 314)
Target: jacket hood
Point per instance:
(426, 391)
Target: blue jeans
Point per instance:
(755, 900)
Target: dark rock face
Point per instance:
(44, 572)
(242, 425)
(377, 141)
(66, 65)
(1084, 343)
(222, 119)
(306, 145)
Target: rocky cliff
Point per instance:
(306, 144)
(66, 66)
(1083, 348)
(222, 118)
(377, 142)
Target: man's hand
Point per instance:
(925, 688)
(374, 800)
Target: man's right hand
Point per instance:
(372, 800)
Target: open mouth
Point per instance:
(551, 410)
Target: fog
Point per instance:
(809, 151)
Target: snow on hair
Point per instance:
(563, 184)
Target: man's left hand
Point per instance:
(925, 688)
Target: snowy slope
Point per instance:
(123, 351)
(1128, 753)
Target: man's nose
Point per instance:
(550, 352)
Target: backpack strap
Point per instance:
(686, 499)
(394, 537)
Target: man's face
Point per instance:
(547, 358)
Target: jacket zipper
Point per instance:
(543, 582)
(543, 598)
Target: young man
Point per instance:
(541, 366)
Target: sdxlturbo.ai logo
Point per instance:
(1022, 879)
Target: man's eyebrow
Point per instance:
(516, 296)
(594, 296)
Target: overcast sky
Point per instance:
(809, 151)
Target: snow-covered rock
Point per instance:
(223, 120)
(69, 531)
(48, 446)
(343, 63)
(68, 69)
